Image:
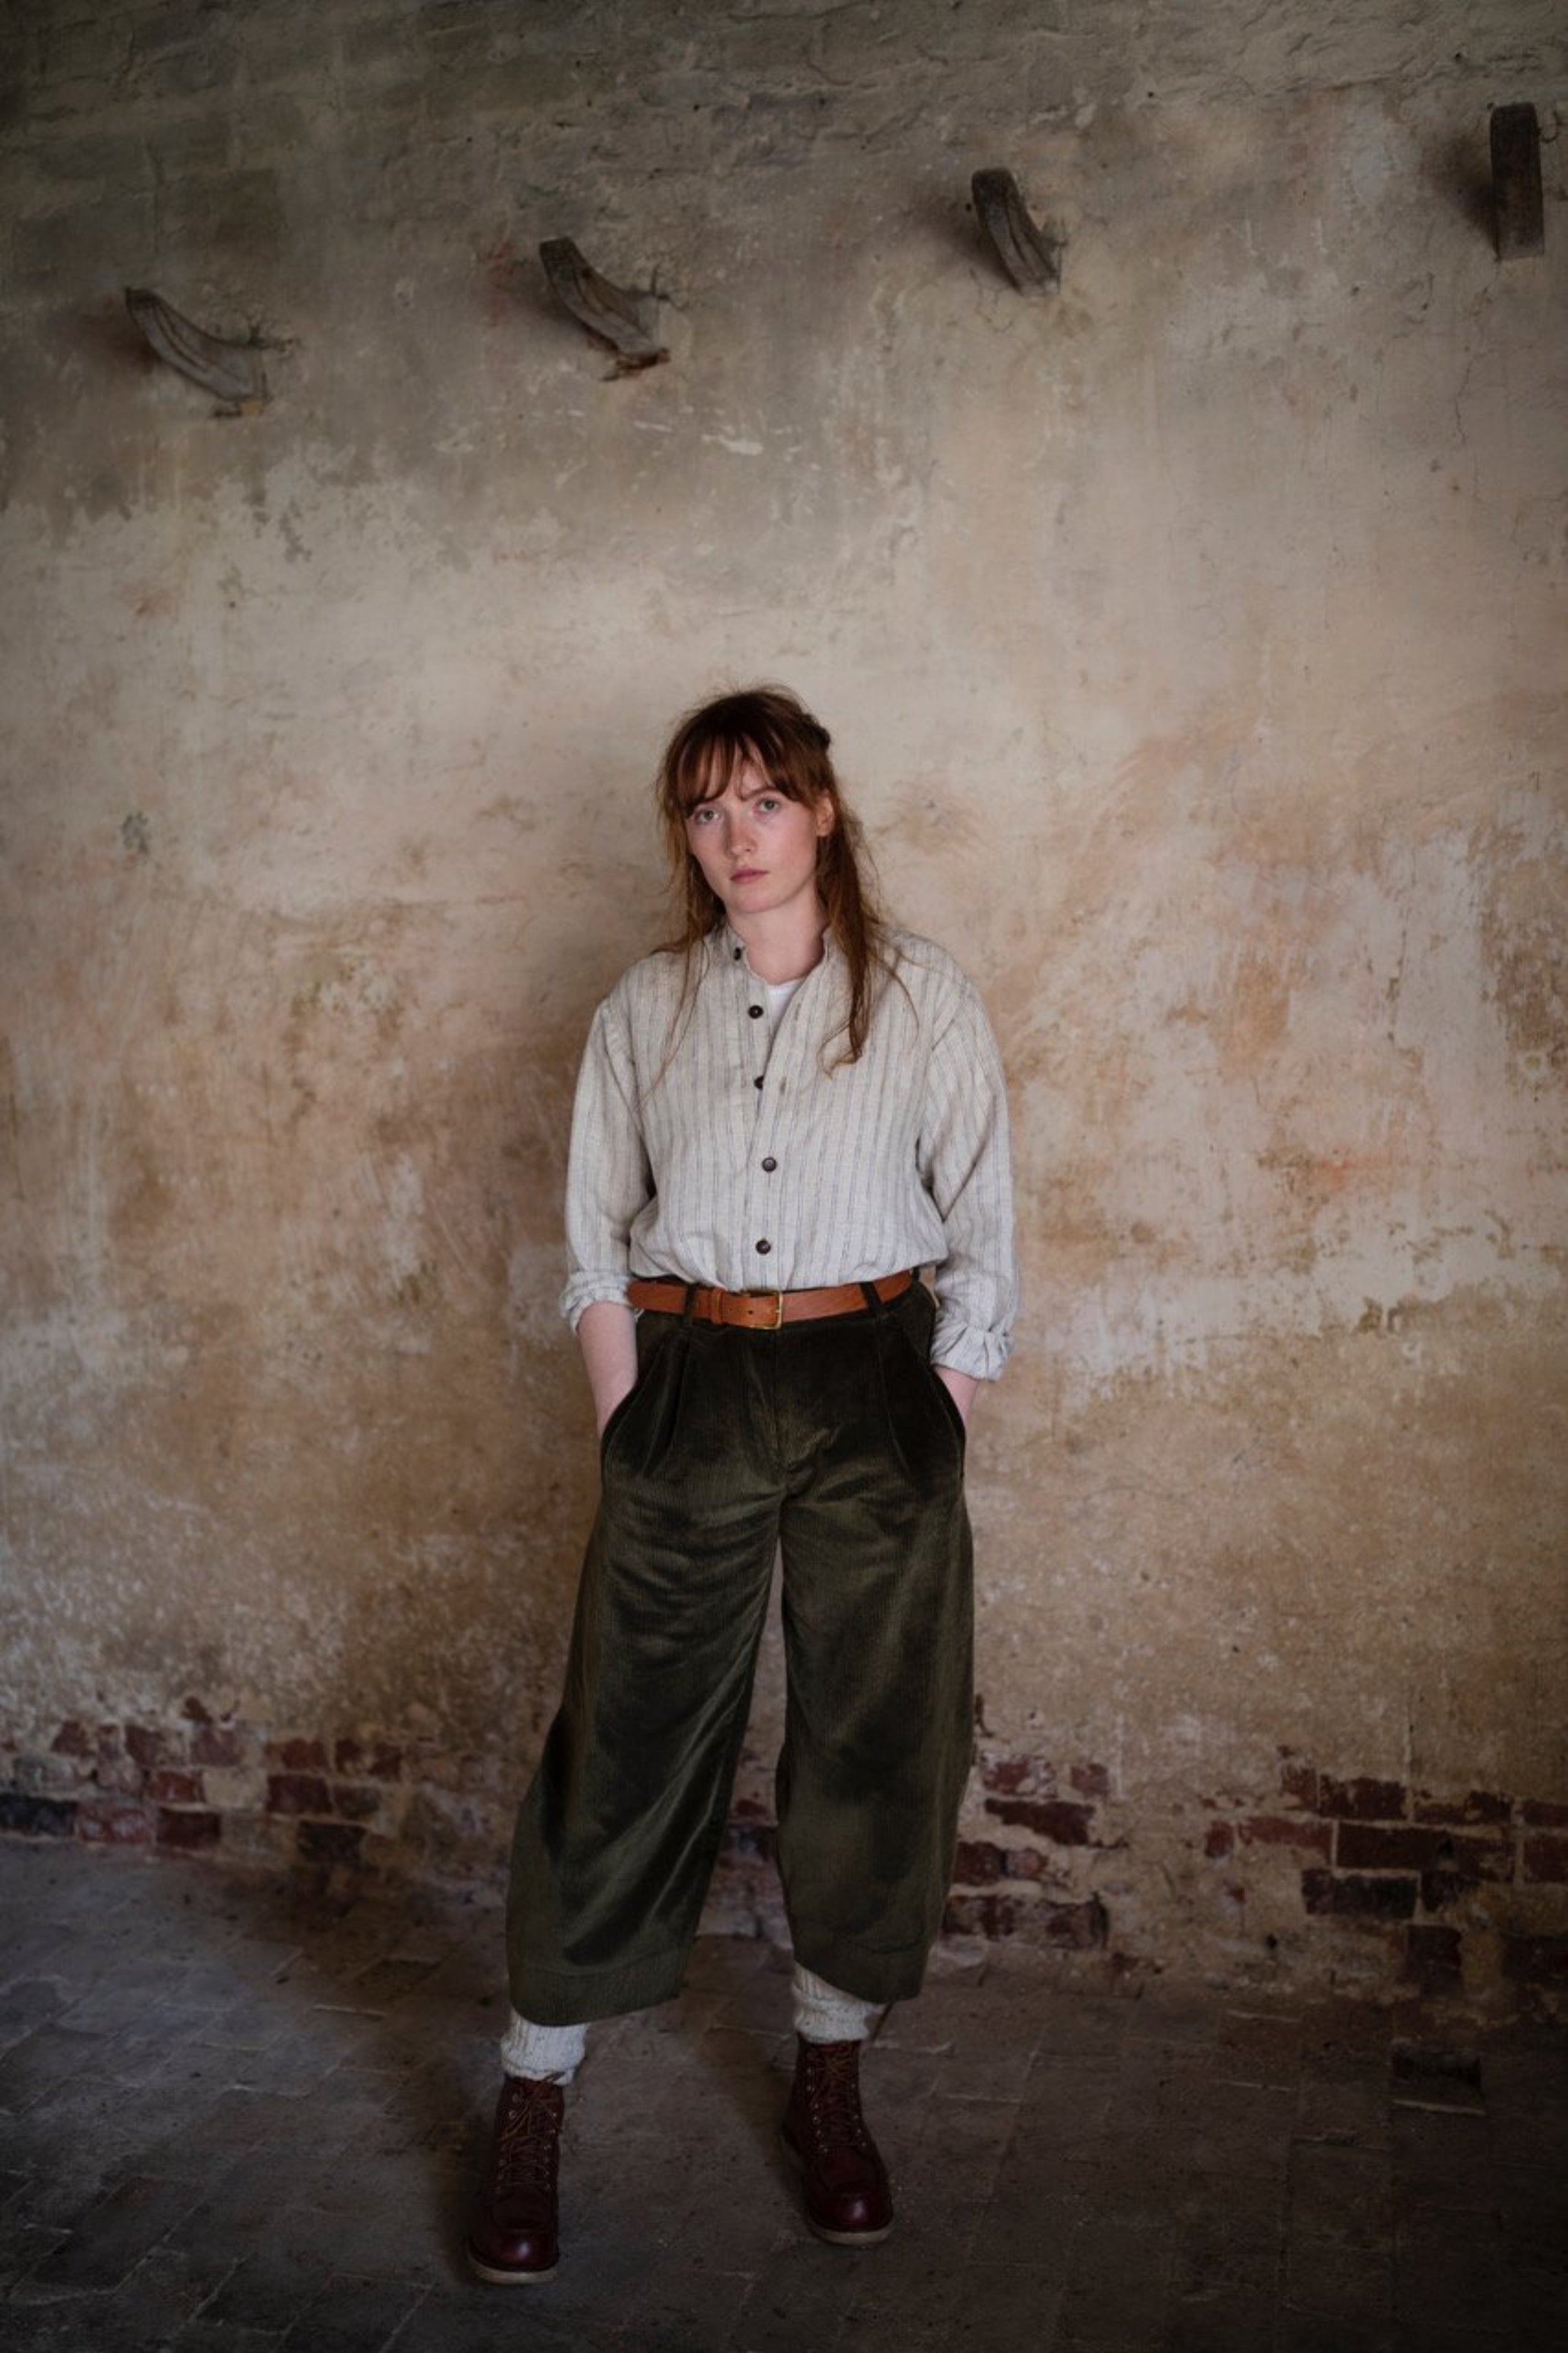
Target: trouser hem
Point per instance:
(871, 1973)
(576, 1997)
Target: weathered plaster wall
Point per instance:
(1195, 644)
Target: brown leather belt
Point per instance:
(761, 1311)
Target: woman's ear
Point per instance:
(826, 814)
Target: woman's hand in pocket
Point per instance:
(607, 1334)
(960, 1387)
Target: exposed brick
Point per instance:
(35, 1816)
(221, 1744)
(1298, 1782)
(1544, 1814)
(981, 1915)
(188, 1828)
(298, 1793)
(977, 1863)
(151, 1745)
(1091, 1780)
(1535, 1960)
(1468, 1860)
(1432, 1959)
(1362, 1800)
(1287, 1830)
(193, 1710)
(1028, 1863)
(1364, 1846)
(1218, 1840)
(74, 1739)
(1327, 1896)
(175, 1785)
(356, 1801)
(115, 1822)
(1054, 1817)
(380, 1759)
(114, 1769)
(330, 1841)
(1083, 1928)
(1546, 1858)
(298, 1755)
(1479, 1806)
(1007, 1774)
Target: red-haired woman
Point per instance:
(779, 1118)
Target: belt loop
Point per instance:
(691, 1307)
(874, 1300)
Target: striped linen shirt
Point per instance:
(710, 1145)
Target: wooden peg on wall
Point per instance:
(624, 320)
(232, 372)
(1516, 181)
(1031, 257)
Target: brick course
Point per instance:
(1360, 1855)
(1362, 1800)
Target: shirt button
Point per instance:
(755, 1011)
(770, 1165)
(735, 954)
(764, 1248)
(756, 1082)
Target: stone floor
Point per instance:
(239, 2117)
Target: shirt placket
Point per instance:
(774, 1061)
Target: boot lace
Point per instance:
(833, 2096)
(525, 2154)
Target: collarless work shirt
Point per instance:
(714, 1145)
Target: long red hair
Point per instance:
(772, 728)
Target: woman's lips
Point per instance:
(748, 874)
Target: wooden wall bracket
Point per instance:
(1516, 181)
(621, 317)
(232, 372)
(1031, 257)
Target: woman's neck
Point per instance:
(785, 945)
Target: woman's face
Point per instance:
(757, 848)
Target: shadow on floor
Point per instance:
(235, 2116)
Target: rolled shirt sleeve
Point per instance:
(965, 1163)
(608, 1180)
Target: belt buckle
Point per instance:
(777, 1323)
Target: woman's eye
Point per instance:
(768, 802)
(703, 816)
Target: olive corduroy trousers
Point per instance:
(831, 1441)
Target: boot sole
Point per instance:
(495, 2278)
(833, 2238)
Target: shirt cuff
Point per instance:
(969, 1347)
(587, 1291)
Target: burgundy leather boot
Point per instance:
(847, 2201)
(513, 2232)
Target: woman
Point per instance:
(792, 1095)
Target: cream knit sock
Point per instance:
(550, 2055)
(823, 2014)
